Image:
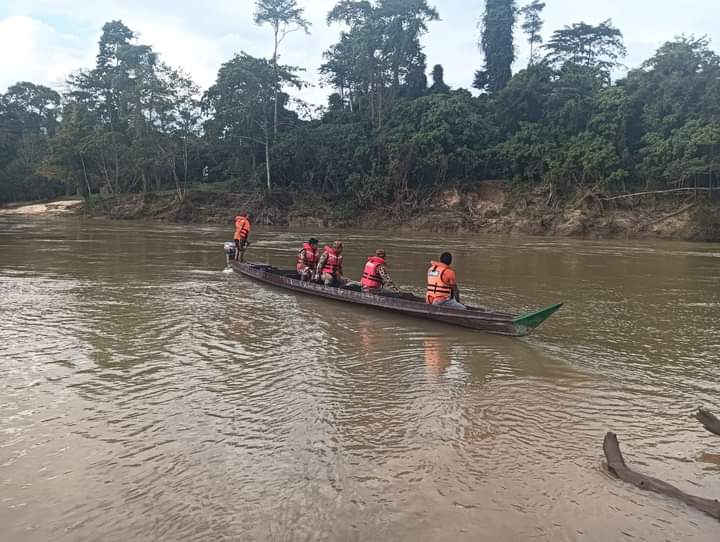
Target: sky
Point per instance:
(43, 41)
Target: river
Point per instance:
(147, 395)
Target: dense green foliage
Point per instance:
(134, 125)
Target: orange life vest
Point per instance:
(242, 227)
(333, 263)
(370, 277)
(440, 282)
(307, 257)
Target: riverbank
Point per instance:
(487, 207)
(50, 208)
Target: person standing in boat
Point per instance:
(375, 277)
(442, 288)
(307, 259)
(242, 232)
(329, 267)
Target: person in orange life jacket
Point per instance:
(242, 232)
(375, 275)
(307, 258)
(442, 286)
(329, 266)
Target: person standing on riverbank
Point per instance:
(442, 286)
(329, 267)
(375, 277)
(242, 232)
(307, 259)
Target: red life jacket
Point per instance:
(307, 257)
(370, 277)
(333, 264)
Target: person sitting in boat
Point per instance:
(442, 288)
(375, 277)
(242, 232)
(307, 259)
(329, 266)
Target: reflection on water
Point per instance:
(437, 355)
(146, 395)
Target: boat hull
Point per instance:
(495, 322)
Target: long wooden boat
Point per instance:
(490, 321)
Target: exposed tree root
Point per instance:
(616, 465)
(666, 217)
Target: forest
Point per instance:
(391, 129)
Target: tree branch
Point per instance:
(708, 420)
(253, 139)
(285, 32)
(616, 465)
(700, 189)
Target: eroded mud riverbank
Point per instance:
(489, 208)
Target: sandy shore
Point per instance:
(62, 207)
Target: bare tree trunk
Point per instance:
(117, 161)
(179, 189)
(185, 160)
(87, 182)
(380, 105)
(275, 97)
(108, 180)
(267, 159)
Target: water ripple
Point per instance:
(147, 395)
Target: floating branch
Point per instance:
(709, 420)
(616, 465)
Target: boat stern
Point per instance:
(526, 323)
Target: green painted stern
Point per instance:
(526, 323)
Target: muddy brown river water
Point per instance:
(147, 395)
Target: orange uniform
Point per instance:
(441, 283)
(242, 228)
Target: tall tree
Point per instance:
(597, 47)
(354, 65)
(137, 101)
(379, 58)
(496, 43)
(402, 23)
(67, 160)
(35, 108)
(242, 101)
(532, 26)
(284, 17)
(28, 118)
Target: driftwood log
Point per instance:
(709, 420)
(616, 465)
